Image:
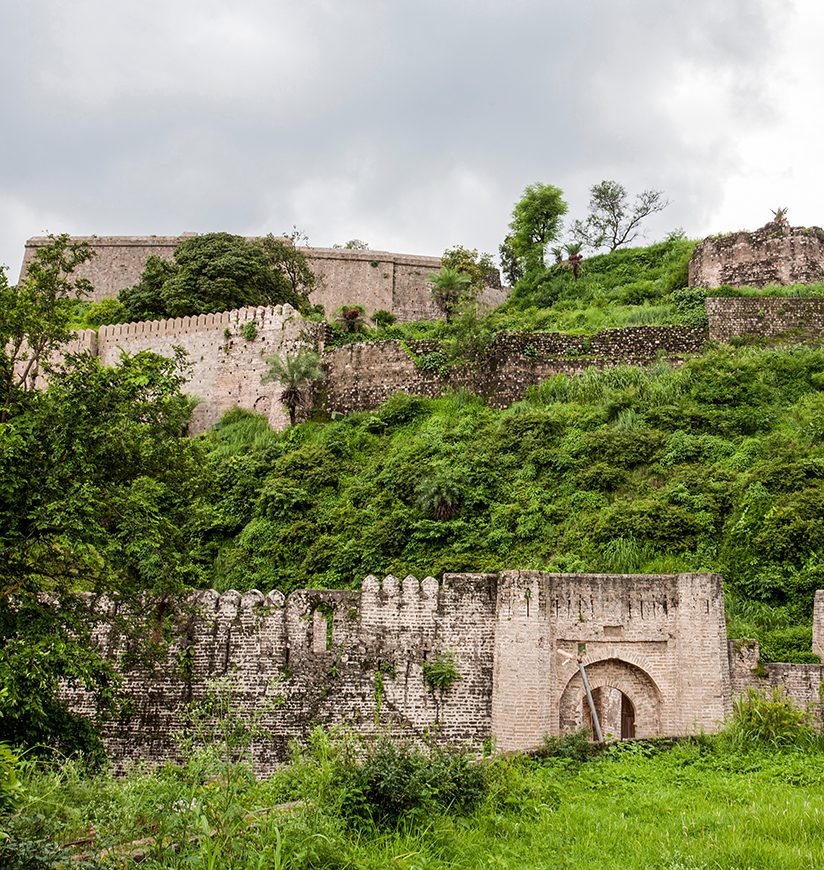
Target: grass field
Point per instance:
(699, 804)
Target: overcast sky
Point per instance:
(411, 125)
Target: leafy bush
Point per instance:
(384, 781)
(441, 672)
(576, 746)
(768, 720)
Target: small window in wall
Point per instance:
(322, 628)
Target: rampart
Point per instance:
(361, 376)
(799, 318)
(226, 352)
(375, 279)
(775, 254)
(654, 648)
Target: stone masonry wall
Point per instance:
(802, 682)
(226, 367)
(375, 279)
(361, 376)
(324, 657)
(799, 317)
(775, 254)
(320, 657)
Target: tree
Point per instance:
(613, 221)
(510, 265)
(294, 372)
(574, 257)
(536, 221)
(479, 267)
(96, 482)
(35, 315)
(220, 272)
(449, 288)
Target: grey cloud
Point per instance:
(415, 125)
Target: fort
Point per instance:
(378, 280)
(654, 648)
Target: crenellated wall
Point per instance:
(227, 356)
(653, 644)
(399, 283)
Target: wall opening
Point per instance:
(615, 710)
(626, 698)
(323, 627)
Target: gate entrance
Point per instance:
(615, 710)
(626, 699)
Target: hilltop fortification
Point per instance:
(375, 279)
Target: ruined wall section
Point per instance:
(226, 367)
(802, 682)
(775, 254)
(362, 376)
(320, 657)
(788, 318)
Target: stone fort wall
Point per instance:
(798, 318)
(375, 279)
(362, 376)
(357, 657)
(775, 254)
(227, 356)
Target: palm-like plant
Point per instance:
(294, 371)
(574, 257)
(449, 287)
(352, 318)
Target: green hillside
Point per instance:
(715, 466)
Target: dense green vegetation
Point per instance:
(749, 797)
(715, 466)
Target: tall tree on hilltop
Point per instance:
(613, 221)
(536, 221)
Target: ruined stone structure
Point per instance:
(654, 648)
(785, 318)
(375, 279)
(775, 254)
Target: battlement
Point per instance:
(262, 316)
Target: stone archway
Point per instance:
(626, 698)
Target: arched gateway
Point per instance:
(626, 699)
